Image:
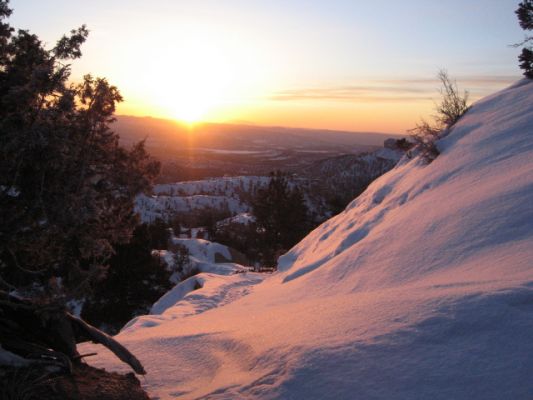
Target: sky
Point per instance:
(337, 64)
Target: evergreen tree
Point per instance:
(525, 18)
(281, 215)
(135, 280)
(158, 234)
(525, 14)
(66, 186)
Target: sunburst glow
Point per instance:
(198, 81)
(283, 63)
(196, 75)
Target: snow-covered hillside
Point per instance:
(421, 289)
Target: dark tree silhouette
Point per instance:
(158, 234)
(66, 186)
(524, 13)
(135, 280)
(281, 215)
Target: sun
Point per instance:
(194, 73)
(193, 77)
(191, 104)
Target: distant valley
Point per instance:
(214, 150)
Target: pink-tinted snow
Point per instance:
(421, 289)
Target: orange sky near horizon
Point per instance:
(367, 107)
(346, 64)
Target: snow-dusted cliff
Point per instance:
(231, 194)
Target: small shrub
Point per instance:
(425, 137)
(453, 105)
(404, 144)
(451, 108)
(181, 259)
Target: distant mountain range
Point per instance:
(238, 136)
(213, 149)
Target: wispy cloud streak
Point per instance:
(399, 90)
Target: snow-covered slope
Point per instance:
(421, 289)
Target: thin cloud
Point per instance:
(463, 80)
(353, 93)
(400, 90)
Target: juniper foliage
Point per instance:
(66, 186)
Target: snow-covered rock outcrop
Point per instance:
(421, 289)
(231, 194)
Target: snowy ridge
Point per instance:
(217, 290)
(203, 256)
(152, 207)
(204, 250)
(228, 193)
(421, 289)
(226, 186)
(242, 219)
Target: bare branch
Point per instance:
(97, 336)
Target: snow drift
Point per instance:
(422, 288)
